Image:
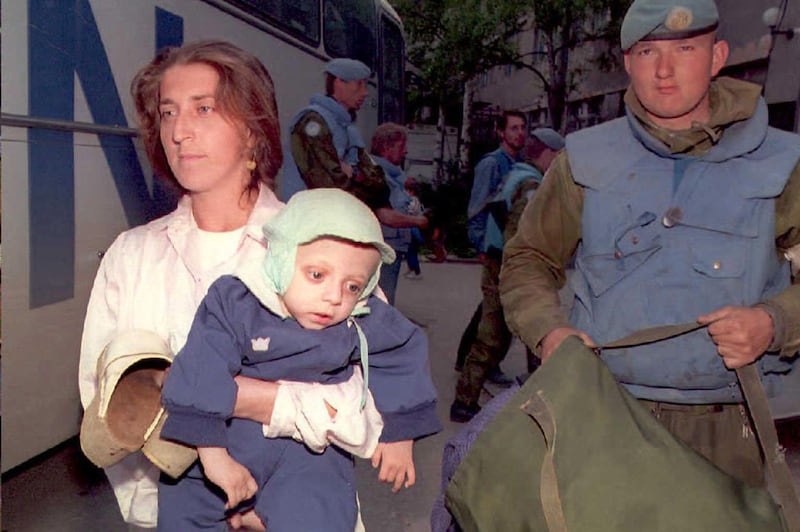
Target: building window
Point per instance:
(391, 72)
(349, 30)
(299, 18)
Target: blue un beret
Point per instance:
(549, 137)
(650, 20)
(347, 69)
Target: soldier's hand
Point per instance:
(347, 169)
(553, 339)
(742, 334)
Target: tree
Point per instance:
(565, 25)
(452, 41)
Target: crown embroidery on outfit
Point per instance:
(260, 344)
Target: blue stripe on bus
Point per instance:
(64, 39)
(97, 80)
(169, 32)
(51, 197)
(169, 29)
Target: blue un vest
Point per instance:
(397, 237)
(656, 253)
(483, 231)
(346, 139)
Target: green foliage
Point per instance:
(451, 41)
(448, 204)
(565, 25)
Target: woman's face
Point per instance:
(206, 150)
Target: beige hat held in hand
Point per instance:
(126, 415)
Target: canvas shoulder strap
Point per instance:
(780, 477)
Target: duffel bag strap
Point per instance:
(783, 488)
(538, 408)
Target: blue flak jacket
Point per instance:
(346, 139)
(667, 238)
(489, 173)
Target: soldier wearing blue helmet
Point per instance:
(682, 210)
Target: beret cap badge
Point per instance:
(679, 18)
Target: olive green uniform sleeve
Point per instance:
(785, 307)
(369, 182)
(315, 154)
(535, 259)
(316, 158)
(519, 201)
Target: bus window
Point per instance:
(390, 107)
(299, 18)
(349, 30)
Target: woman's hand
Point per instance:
(255, 399)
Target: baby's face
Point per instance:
(329, 276)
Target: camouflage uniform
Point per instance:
(316, 158)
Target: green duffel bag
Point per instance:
(574, 451)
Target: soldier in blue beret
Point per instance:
(348, 69)
(326, 148)
(683, 210)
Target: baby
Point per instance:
(307, 313)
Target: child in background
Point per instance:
(307, 313)
(414, 208)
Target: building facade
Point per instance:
(764, 38)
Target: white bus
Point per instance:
(74, 174)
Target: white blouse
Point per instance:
(153, 277)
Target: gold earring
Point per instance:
(250, 165)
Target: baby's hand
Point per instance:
(231, 476)
(397, 463)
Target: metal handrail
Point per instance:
(13, 120)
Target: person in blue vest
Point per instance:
(504, 208)
(388, 150)
(525, 177)
(681, 211)
(326, 149)
(491, 340)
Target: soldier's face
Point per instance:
(671, 78)
(351, 94)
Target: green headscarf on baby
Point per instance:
(317, 213)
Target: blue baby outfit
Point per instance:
(200, 393)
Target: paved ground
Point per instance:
(63, 493)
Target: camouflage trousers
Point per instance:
(492, 340)
(721, 433)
